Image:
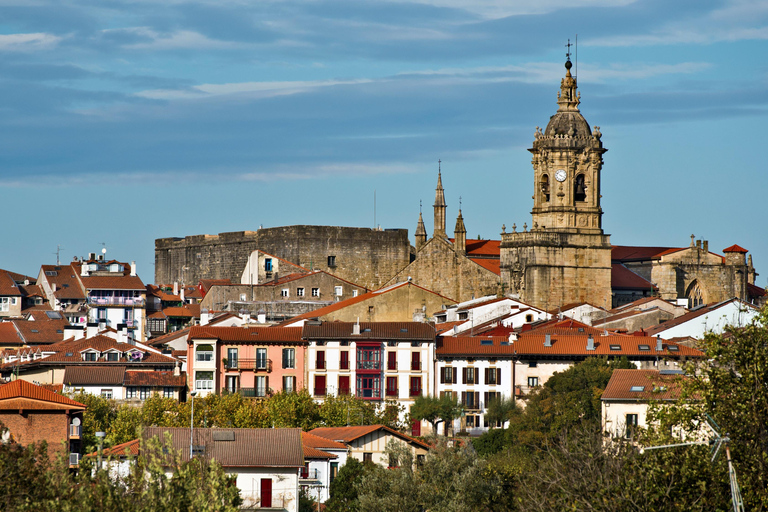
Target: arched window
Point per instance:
(545, 187)
(204, 353)
(579, 189)
(695, 295)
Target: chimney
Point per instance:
(205, 316)
(122, 333)
(590, 342)
(182, 294)
(73, 331)
(245, 315)
(175, 287)
(261, 316)
(356, 328)
(53, 287)
(659, 346)
(102, 324)
(547, 340)
(91, 329)
(177, 369)
(705, 246)
(83, 270)
(133, 269)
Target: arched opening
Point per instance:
(545, 188)
(580, 189)
(695, 295)
(204, 353)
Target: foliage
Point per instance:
(343, 489)
(98, 416)
(436, 410)
(306, 502)
(501, 410)
(493, 441)
(297, 410)
(342, 410)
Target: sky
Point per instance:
(124, 121)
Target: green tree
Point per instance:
(343, 489)
(97, 417)
(339, 411)
(436, 410)
(501, 410)
(297, 410)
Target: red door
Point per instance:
(266, 492)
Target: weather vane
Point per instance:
(568, 53)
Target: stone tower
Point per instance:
(421, 233)
(460, 235)
(440, 206)
(565, 257)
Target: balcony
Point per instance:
(74, 431)
(369, 365)
(257, 365)
(309, 474)
(321, 391)
(253, 392)
(392, 392)
(74, 459)
(414, 392)
(116, 301)
(415, 366)
(344, 391)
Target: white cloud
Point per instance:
(28, 42)
(180, 39)
(493, 9)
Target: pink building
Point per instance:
(248, 360)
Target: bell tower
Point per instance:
(567, 160)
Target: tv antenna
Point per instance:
(716, 442)
(58, 254)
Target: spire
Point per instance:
(439, 205)
(421, 231)
(568, 98)
(460, 235)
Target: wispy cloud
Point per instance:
(251, 89)
(28, 42)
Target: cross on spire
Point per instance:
(419, 206)
(438, 165)
(459, 202)
(568, 52)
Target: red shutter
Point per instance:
(320, 385)
(266, 493)
(344, 385)
(415, 361)
(392, 360)
(416, 428)
(320, 363)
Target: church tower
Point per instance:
(565, 257)
(460, 235)
(421, 232)
(440, 206)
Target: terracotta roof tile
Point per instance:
(9, 335)
(319, 442)
(8, 286)
(65, 277)
(624, 279)
(91, 374)
(247, 334)
(482, 247)
(31, 393)
(634, 253)
(673, 322)
(655, 385)
(369, 331)
(735, 248)
(489, 264)
(155, 379)
(239, 447)
(349, 434)
(41, 332)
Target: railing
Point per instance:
(321, 391)
(253, 392)
(392, 392)
(74, 459)
(344, 391)
(344, 365)
(260, 365)
(320, 364)
(310, 474)
(74, 430)
(116, 301)
(369, 365)
(416, 366)
(415, 391)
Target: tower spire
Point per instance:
(439, 205)
(567, 97)
(421, 231)
(460, 234)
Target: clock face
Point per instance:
(560, 175)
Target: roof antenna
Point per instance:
(57, 253)
(576, 59)
(419, 206)
(438, 166)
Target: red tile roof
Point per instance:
(239, 447)
(635, 253)
(491, 265)
(319, 442)
(206, 284)
(369, 331)
(247, 334)
(8, 286)
(43, 331)
(65, 277)
(482, 247)
(576, 345)
(155, 379)
(349, 434)
(116, 282)
(656, 385)
(755, 291)
(9, 336)
(735, 248)
(624, 279)
(474, 345)
(35, 397)
(92, 374)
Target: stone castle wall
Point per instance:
(364, 256)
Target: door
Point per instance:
(266, 492)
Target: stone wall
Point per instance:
(364, 256)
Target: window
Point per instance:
(644, 347)
(391, 386)
(144, 392)
(284, 292)
(448, 375)
(491, 396)
(261, 358)
(637, 389)
(344, 360)
(242, 297)
(289, 383)
(354, 293)
(289, 358)
(545, 187)
(4, 304)
(204, 353)
(415, 389)
(615, 347)
(338, 291)
(631, 425)
(169, 392)
(267, 264)
(369, 386)
(320, 389)
(493, 376)
(320, 360)
(334, 470)
(315, 292)
(102, 313)
(470, 399)
(232, 383)
(579, 189)
(367, 457)
(533, 364)
(299, 292)
(113, 356)
(262, 385)
(203, 380)
(368, 358)
(90, 356)
(533, 382)
(473, 421)
(106, 393)
(331, 261)
(344, 385)
(469, 375)
(131, 392)
(415, 361)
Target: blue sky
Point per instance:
(126, 121)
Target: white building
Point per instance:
(322, 460)
(704, 319)
(476, 315)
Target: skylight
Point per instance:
(486, 342)
(53, 315)
(644, 347)
(673, 348)
(615, 347)
(637, 389)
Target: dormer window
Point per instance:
(113, 356)
(90, 356)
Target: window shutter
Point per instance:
(498, 375)
(477, 399)
(266, 386)
(464, 376)
(487, 398)
(487, 375)
(442, 375)
(453, 375)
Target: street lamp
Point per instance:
(101, 436)
(192, 424)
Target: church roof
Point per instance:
(735, 248)
(489, 264)
(624, 279)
